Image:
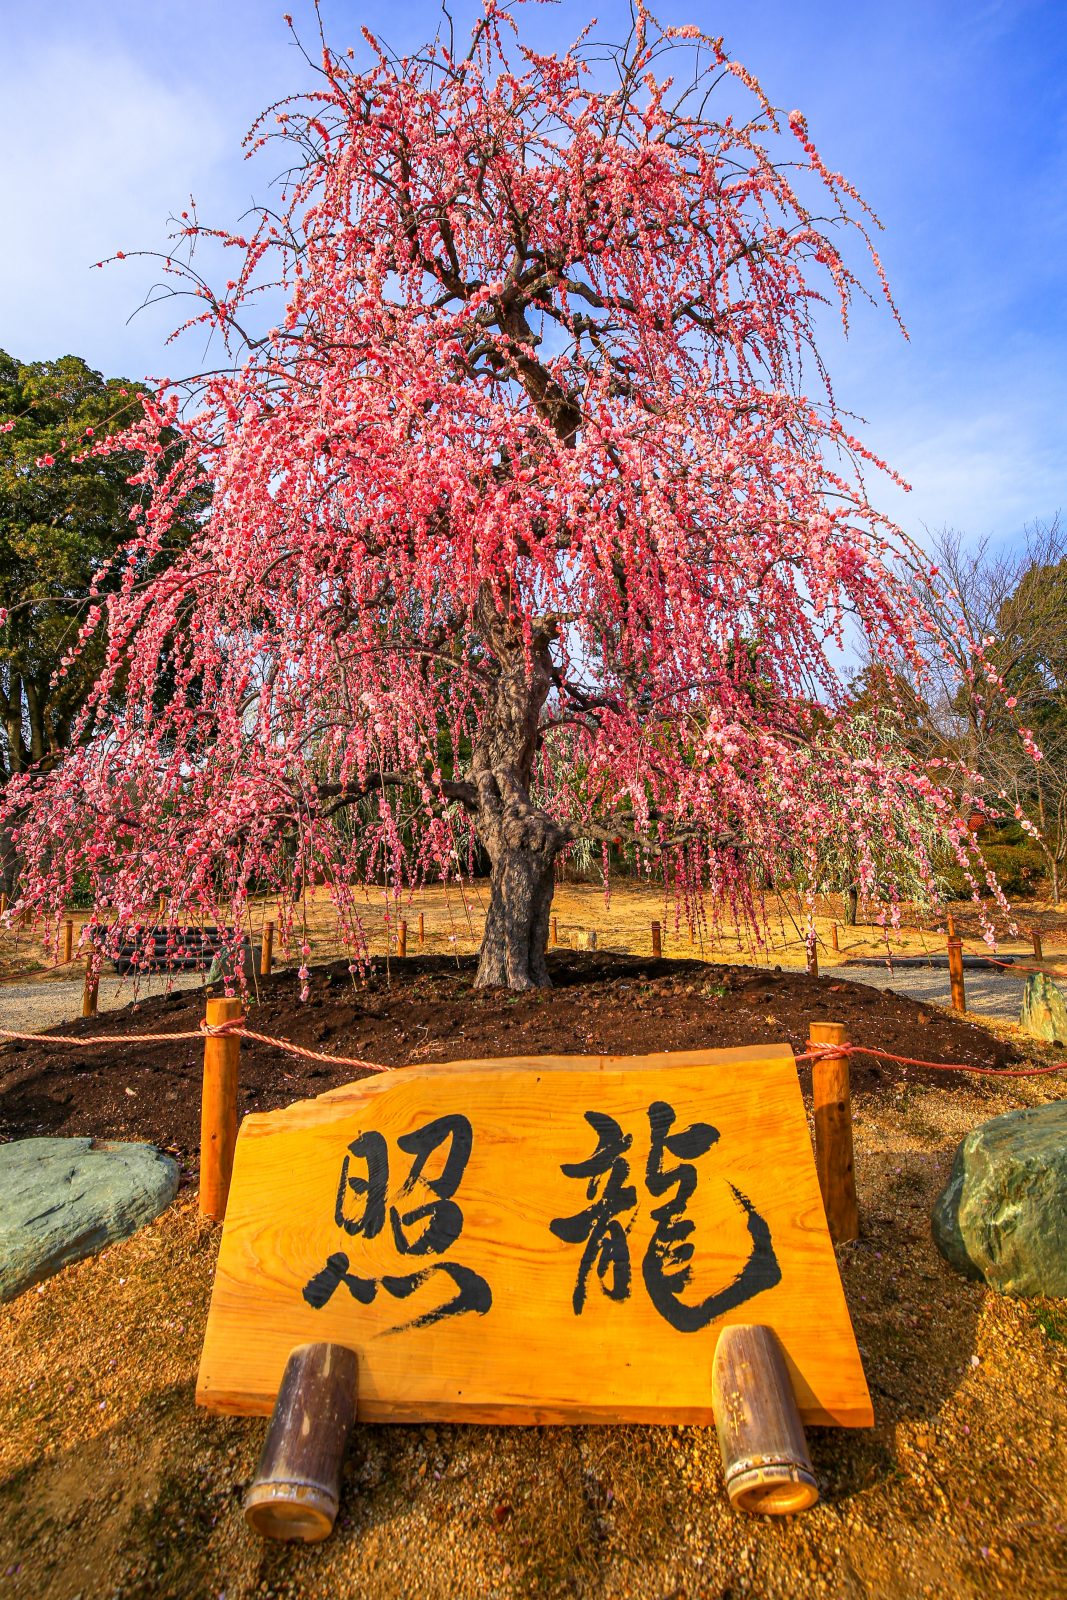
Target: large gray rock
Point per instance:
(62, 1199)
(1044, 1013)
(1002, 1216)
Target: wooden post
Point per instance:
(68, 942)
(813, 957)
(218, 1109)
(90, 988)
(955, 974)
(1039, 954)
(266, 950)
(401, 938)
(657, 940)
(950, 923)
(422, 928)
(833, 1133)
(162, 907)
(764, 1451)
(297, 1487)
(555, 931)
(3, 903)
(833, 937)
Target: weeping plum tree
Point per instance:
(533, 520)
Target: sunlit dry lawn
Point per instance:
(452, 918)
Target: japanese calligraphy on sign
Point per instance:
(535, 1240)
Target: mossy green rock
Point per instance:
(1002, 1216)
(63, 1199)
(1044, 1012)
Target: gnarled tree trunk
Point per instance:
(521, 840)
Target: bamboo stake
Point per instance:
(218, 1109)
(657, 940)
(68, 942)
(422, 928)
(297, 1487)
(555, 931)
(3, 903)
(90, 990)
(764, 1451)
(833, 1133)
(266, 950)
(1039, 954)
(401, 938)
(162, 907)
(955, 974)
(833, 937)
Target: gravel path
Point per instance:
(33, 1007)
(989, 994)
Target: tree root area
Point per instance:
(427, 1009)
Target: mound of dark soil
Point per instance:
(426, 1009)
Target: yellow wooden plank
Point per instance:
(530, 1356)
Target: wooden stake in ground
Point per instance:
(422, 927)
(266, 950)
(764, 1451)
(401, 938)
(68, 942)
(657, 940)
(91, 988)
(813, 957)
(955, 973)
(833, 937)
(296, 1490)
(1039, 954)
(162, 907)
(3, 903)
(555, 931)
(833, 1133)
(218, 1109)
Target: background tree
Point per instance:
(532, 509)
(988, 711)
(65, 512)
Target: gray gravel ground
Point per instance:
(33, 1007)
(989, 994)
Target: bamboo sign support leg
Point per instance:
(657, 940)
(218, 1110)
(266, 952)
(833, 1134)
(955, 973)
(296, 1490)
(764, 1451)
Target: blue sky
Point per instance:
(951, 117)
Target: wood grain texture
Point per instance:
(530, 1357)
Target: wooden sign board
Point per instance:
(542, 1239)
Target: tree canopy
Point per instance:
(533, 514)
